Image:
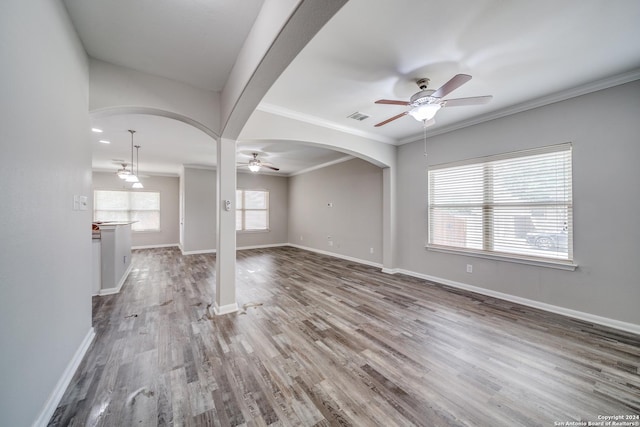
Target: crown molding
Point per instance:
(285, 112)
(323, 165)
(197, 166)
(142, 173)
(585, 89)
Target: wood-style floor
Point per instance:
(320, 341)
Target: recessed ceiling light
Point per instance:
(104, 141)
(96, 130)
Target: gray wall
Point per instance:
(198, 193)
(604, 129)
(278, 209)
(45, 245)
(168, 187)
(354, 222)
(198, 210)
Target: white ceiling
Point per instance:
(518, 51)
(192, 41)
(167, 144)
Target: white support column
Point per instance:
(226, 228)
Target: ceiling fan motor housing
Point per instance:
(423, 83)
(422, 97)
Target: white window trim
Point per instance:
(569, 265)
(148, 190)
(550, 263)
(268, 210)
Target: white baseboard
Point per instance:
(335, 255)
(111, 291)
(592, 318)
(164, 245)
(224, 309)
(64, 381)
(274, 245)
(587, 317)
(239, 248)
(203, 251)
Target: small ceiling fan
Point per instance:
(126, 170)
(426, 103)
(256, 164)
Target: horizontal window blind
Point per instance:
(252, 212)
(517, 204)
(143, 207)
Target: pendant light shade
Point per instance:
(137, 184)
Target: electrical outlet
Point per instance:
(370, 250)
(330, 204)
(469, 268)
(301, 239)
(330, 242)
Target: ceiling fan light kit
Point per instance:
(123, 173)
(426, 103)
(425, 112)
(131, 178)
(256, 164)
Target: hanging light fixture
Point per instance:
(254, 165)
(131, 177)
(425, 111)
(137, 184)
(124, 172)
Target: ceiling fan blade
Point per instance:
(391, 119)
(270, 167)
(391, 101)
(453, 84)
(474, 100)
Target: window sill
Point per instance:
(252, 231)
(548, 263)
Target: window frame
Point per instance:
(243, 211)
(129, 211)
(488, 236)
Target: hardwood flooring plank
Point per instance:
(320, 341)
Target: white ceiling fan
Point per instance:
(126, 169)
(256, 164)
(426, 103)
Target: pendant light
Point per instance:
(137, 184)
(131, 177)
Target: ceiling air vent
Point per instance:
(358, 116)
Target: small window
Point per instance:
(140, 206)
(252, 210)
(517, 205)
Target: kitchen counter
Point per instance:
(113, 242)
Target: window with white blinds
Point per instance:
(252, 210)
(517, 205)
(143, 207)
